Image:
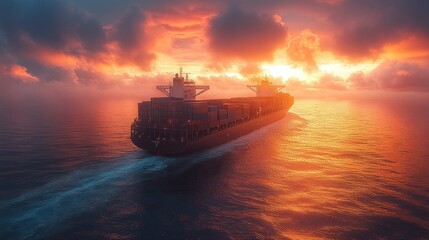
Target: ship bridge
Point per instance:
(183, 87)
(265, 88)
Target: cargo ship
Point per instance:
(179, 124)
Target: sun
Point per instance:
(284, 72)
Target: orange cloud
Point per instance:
(401, 76)
(413, 47)
(17, 72)
(77, 42)
(303, 50)
(250, 69)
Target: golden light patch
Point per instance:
(284, 72)
(345, 70)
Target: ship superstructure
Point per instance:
(265, 88)
(179, 123)
(183, 88)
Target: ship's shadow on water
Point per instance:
(44, 212)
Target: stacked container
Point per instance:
(222, 115)
(174, 118)
(213, 119)
(197, 114)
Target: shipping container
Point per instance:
(222, 114)
(212, 108)
(213, 123)
(172, 118)
(200, 116)
(212, 115)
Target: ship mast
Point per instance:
(183, 87)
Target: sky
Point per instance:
(130, 46)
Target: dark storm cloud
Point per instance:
(52, 73)
(363, 28)
(107, 11)
(132, 39)
(49, 23)
(31, 30)
(236, 34)
(49, 38)
(129, 29)
(48, 73)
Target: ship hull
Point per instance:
(166, 147)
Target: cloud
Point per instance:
(363, 28)
(185, 42)
(50, 73)
(303, 50)
(133, 42)
(190, 49)
(331, 82)
(47, 38)
(293, 84)
(54, 40)
(16, 72)
(236, 34)
(186, 28)
(250, 69)
(51, 24)
(111, 43)
(394, 76)
(324, 82)
(361, 81)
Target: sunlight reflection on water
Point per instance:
(330, 169)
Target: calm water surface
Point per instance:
(329, 170)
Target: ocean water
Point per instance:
(332, 169)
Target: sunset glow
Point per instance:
(325, 45)
(284, 72)
(214, 119)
